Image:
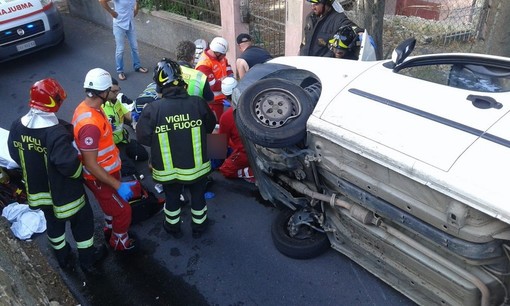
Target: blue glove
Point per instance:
(125, 191)
(135, 116)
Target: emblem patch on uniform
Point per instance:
(89, 141)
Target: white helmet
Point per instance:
(227, 85)
(219, 44)
(98, 79)
(200, 46)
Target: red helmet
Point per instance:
(47, 95)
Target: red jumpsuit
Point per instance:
(92, 131)
(236, 165)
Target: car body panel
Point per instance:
(16, 20)
(487, 159)
(334, 78)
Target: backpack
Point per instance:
(144, 203)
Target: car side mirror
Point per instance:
(402, 51)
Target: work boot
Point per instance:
(122, 242)
(197, 230)
(174, 230)
(209, 182)
(91, 257)
(65, 258)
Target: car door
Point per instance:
(405, 116)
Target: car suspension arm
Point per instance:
(358, 212)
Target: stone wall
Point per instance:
(26, 278)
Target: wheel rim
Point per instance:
(274, 107)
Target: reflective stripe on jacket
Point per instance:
(170, 172)
(195, 79)
(107, 153)
(220, 69)
(176, 128)
(50, 165)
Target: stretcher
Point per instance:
(5, 158)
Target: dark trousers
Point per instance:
(198, 204)
(128, 165)
(82, 228)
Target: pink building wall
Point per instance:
(232, 26)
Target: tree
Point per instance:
(371, 13)
(497, 29)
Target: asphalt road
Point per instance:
(235, 263)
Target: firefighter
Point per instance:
(175, 128)
(43, 146)
(101, 160)
(345, 43)
(325, 18)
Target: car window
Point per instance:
(432, 73)
(466, 76)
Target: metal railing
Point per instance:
(267, 25)
(438, 26)
(203, 10)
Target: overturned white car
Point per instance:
(401, 165)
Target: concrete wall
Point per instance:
(296, 10)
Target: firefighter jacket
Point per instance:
(319, 30)
(50, 165)
(215, 71)
(175, 127)
(107, 153)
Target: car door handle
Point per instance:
(484, 102)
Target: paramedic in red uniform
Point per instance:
(100, 158)
(236, 165)
(213, 63)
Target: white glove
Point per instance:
(130, 107)
(119, 96)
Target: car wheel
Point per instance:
(273, 113)
(306, 243)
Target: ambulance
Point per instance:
(27, 26)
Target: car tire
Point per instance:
(270, 124)
(315, 244)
